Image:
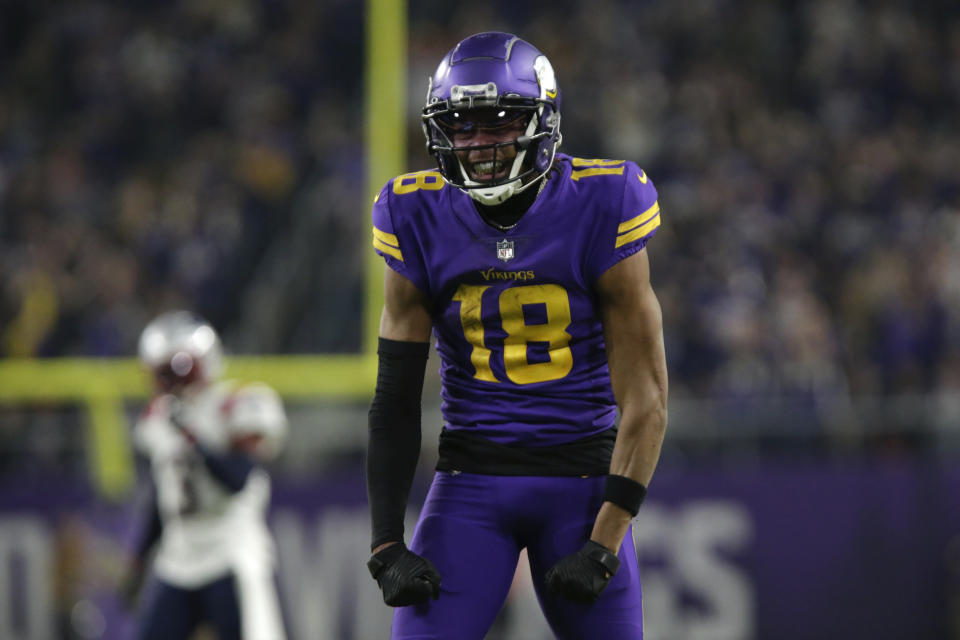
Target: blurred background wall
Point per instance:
(211, 155)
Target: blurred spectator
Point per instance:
(150, 152)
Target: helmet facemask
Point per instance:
(180, 371)
(508, 170)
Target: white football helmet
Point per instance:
(181, 349)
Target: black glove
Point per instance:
(583, 575)
(404, 577)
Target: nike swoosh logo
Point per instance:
(551, 94)
(642, 177)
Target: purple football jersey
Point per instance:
(514, 312)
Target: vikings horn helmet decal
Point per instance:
(507, 78)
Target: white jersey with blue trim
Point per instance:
(208, 531)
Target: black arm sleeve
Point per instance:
(394, 445)
(230, 468)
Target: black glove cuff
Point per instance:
(626, 493)
(599, 553)
(384, 558)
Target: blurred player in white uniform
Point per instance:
(205, 440)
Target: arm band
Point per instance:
(624, 492)
(230, 468)
(394, 445)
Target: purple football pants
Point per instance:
(472, 527)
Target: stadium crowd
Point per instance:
(150, 152)
(806, 155)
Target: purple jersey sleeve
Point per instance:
(628, 224)
(393, 240)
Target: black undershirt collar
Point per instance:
(505, 215)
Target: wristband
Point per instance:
(624, 492)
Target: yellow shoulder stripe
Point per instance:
(640, 219)
(387, 249)
(387, 243)
(639, 232)
(386, 238)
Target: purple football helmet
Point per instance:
(497, 78)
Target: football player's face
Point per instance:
(175, 376)
(478, 131)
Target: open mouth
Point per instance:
(488, 170)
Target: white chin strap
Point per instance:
(501, 192)
(494, 195)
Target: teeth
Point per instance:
(486, 167)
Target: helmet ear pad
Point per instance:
(546, 149)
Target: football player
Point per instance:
(206, 440)
(529, 269)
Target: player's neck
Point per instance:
(507, 214)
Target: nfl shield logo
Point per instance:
(505, 250)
